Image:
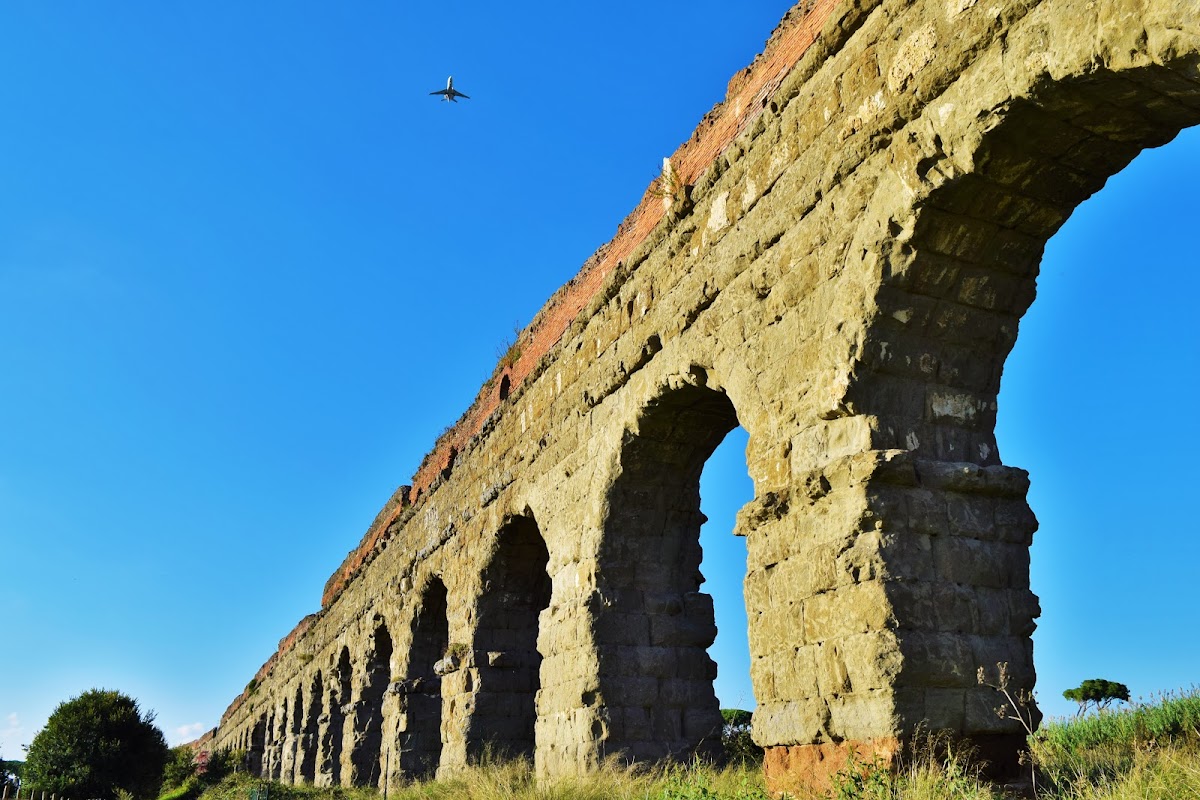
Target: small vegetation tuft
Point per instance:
(509, 352)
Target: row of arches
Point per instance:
(888, 545)
(396, 706)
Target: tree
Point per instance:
(1098, 691)
(10, 773)
(735, 736)
(96, 744)
(181, 765)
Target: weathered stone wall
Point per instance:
(840, 267)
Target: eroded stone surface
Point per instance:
(840, 270)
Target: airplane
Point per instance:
(449, 93)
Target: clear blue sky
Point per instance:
(249, 270)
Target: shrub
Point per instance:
(181, 765)
(735, 737)
(96, 744)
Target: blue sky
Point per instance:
(249, 270)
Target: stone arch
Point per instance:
(515, 590)
(334, 730)
(258, 746)
(948, 523)
(369, 713)
(421, 705)
(295, 732)
(654, 626)
(307, 771)
(277, 737)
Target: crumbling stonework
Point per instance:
(837, 261)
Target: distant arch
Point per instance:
(515, 591)
(310, 739)
(335, 730)
(421, 739)
(655, 625)
(369, 719)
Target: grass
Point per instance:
(1147, 745)
(1150, 751)
(515, 781)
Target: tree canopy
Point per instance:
(1098, 691)
(9, 772)
(96, 744)
(735, 736)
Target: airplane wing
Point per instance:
(439, 91)
(460, 94)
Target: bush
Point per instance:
(735, 737)
(96, 745)
(181, 765)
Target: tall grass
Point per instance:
(1170, 717)
(1146, 742)
(515, 781)
(1150, 751)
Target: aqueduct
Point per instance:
(838, 261)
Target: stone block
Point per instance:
(798, 577)
(1023, 609)
(647, 662)
(701, 724)
(872, 661)
(862, 715)
(666, 722)
(791, 721)
(682, 631)
(943, 660)
(791, 672)
(613, 628)
(695, 664)
(945, 709)
(971, 516)
(1014, 521)
(626, 690)
(687, 693)
(927, 512)
(846, 611)
(977, 563)
(983, 712)
(636, 724)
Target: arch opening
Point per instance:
(726, 487)
(308, 742)
(656, 626)
(950, 310)
(421, 727)
(335, 730)
(516, 589)
(1108, 335)
(369, 717)
(258, 746)
(279, 741)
